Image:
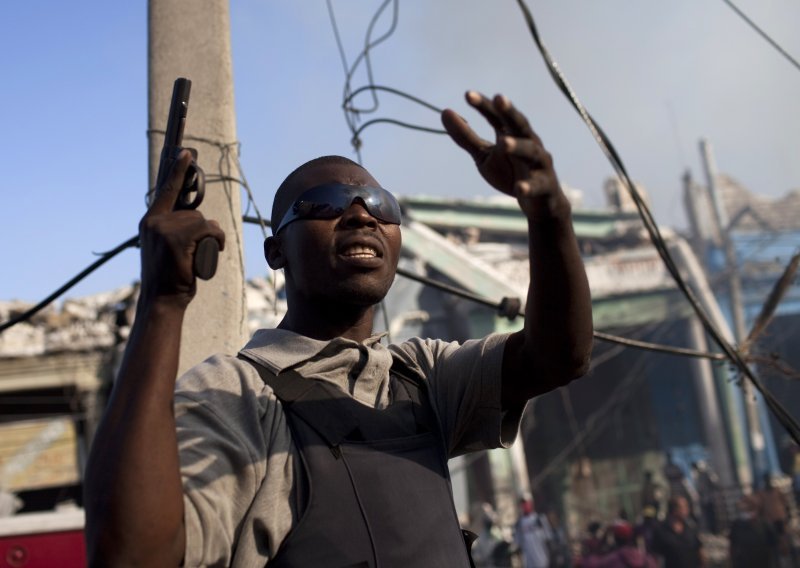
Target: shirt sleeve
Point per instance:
(464, 381)
(222, 451)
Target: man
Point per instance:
(651, 493)
(774, 509)
(753, 540)
(533, 536)
(706, 483)
(318, 445)
(676, 538)
(774, 504)
(679, 485)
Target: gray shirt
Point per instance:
(239, 466)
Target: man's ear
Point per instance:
(273, 253)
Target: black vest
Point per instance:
(378, 491)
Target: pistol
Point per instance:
(193, 188)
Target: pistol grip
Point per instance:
(205, 258)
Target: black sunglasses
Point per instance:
(330, 200)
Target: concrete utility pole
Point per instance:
(712, 415)
(191, 39)
(756, 436)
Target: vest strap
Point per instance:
(291, 388)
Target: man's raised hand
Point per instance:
(517, 162)
(169, 238)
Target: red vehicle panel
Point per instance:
(43, 540)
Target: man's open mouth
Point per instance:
(360, 251)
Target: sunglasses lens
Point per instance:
(382, 205)
(313, 210)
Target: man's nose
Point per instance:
(357, 216)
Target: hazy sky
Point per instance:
(657, 76)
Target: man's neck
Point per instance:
(328, 322)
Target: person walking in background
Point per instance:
(489, 549)
(646, 529)
(774, 509)
(652, 492)
(707, 484)
(753, 541)
(594, 542)
(533, 534)
(676, 538)
(560, 554)
(679, 485)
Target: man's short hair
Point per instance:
(290, 190)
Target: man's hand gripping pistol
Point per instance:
(193, 190)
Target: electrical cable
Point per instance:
(352, 114)
(782, 415)
(763, 34)
(355, 139)
(105, 257)
(398, 92)
(368, 45)
(597, 334)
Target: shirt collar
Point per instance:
(280, 349)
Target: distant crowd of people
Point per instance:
(757, 535)
(673, 541)
(536, 540)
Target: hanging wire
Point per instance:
(361, 128)
(782, 415)
(763, 34)
(398, 92)
(353, 113)
(104, 257)
(364, 55)
(597, 334)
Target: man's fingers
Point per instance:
(528, 149)
(462, 134)
(216, 231)
(487, 109)
(514, 121)
(502, 115)
(167, 194)
(191, 227)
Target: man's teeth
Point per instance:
(361, 252)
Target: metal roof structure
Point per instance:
(501, 215)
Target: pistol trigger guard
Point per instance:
(194, 187)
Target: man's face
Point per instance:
(682, 508)
(351, 259)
